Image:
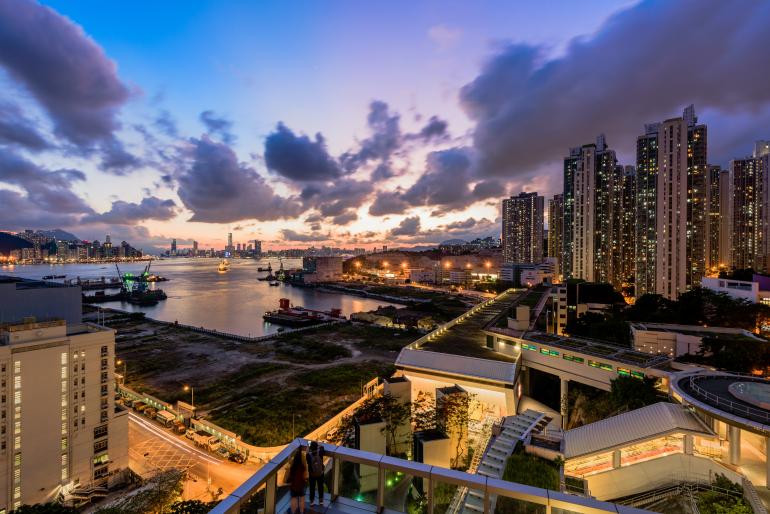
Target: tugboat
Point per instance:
(275, 283)
(223, 266)
(269, 268)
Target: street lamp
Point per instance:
(192, 396)
(125, 369)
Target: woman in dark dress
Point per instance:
(297, 480)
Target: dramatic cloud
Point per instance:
(115, 158)
(388, 202)
(127, 213)
(219, 189)
(531, 109)
(407, 227)
(218, 125)
(48, 190)
(17, 129)
(299, 158)
(64, 69)
(336, 198)
(19, 212)
(385, 138)
(435, 130)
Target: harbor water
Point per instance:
(199, 295)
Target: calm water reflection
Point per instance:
(199, 295)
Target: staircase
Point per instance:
(493, 461)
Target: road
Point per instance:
(152, 448)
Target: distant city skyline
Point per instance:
(283, 123)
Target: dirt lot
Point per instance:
(269, 391)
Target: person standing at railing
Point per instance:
(296, 477)
(315, 466)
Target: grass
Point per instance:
(529, 470)
(273, 414)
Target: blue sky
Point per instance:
(512, 85)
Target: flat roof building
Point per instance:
(22, 298)
(60, 433)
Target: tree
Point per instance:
(628, 393)
(386, 407)
(191, 507)
(423, 412)
(45, 508)
(395, 414)
(452, 416)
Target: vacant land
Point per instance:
(269, 391)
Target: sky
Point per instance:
(346, 123)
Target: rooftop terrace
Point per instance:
(598, 349)
(465, 336)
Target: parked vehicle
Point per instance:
(179, 427)
(140, 406)
(223, 452)
(238, 457)
(190, 434)
(205, 440)
(165, 418)
(150, 412)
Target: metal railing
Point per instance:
(730, 406)
(266, 481)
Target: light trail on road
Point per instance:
(171, 440)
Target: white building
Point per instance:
(676, 340)
(739, 289)
(60, 432)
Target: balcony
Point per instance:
(363, 482)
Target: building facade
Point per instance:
(589, 179)
(60, 432)
(523, 228)
(714, 219)
(750, 213)
(671, 206)
(697, 198)
(556, 230)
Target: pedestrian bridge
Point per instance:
(401, 486)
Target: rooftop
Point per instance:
(630, 427)
(456, 365)
(696, 330)
(597, 349)
(467, 337)
(26, 283)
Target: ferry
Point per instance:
(223, 266)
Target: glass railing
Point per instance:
(363, 481)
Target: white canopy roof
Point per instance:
(630, 427)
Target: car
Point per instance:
(190, 434)
(223, 452)
(238, 457)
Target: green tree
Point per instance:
(423, 412)
(191, 507)
(45, 508)
(628, 393)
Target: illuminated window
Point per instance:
(600, 365)
(546, 351)
(572, 358)
(529, 347)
